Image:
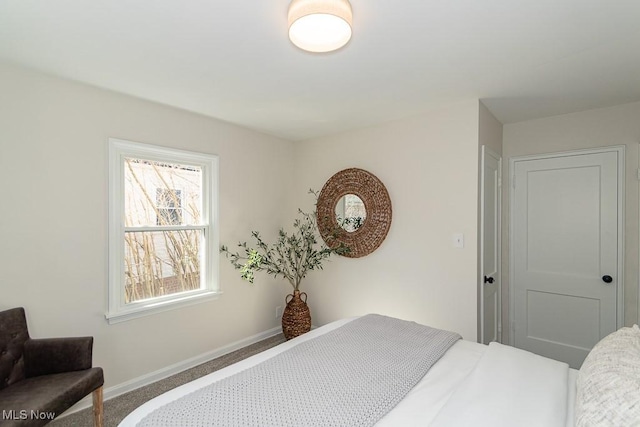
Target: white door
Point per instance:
(564, 252)
(490, 208)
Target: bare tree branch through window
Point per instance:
(165, 196)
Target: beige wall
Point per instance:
(429, 165)
(618, 125)
(53, 219)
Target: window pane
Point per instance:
(161, 263)
(169, 203)
(161, 193)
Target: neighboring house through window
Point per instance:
(169, 202)
(163, 237)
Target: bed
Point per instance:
(469, 385)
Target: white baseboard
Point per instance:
(141, 381)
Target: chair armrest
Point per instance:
(56, 355)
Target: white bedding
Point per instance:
(448, 388)
(509, 387)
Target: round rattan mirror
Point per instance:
(372, 226)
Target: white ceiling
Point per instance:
(231, 59)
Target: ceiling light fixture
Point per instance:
(320, 25)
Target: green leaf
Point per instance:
(291, 256)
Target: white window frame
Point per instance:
(120, 149)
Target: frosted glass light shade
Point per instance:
(320, 25)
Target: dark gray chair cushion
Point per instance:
(13, 335)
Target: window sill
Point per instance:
(154, 307)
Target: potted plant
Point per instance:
(291, 256)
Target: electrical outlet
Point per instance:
(458, 240)
(278, 312)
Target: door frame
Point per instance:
(620, 150)
(486, 151)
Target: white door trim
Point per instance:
(620, 150)
(486, 151)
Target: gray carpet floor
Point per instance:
(119, 407)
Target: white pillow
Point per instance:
(608, 388)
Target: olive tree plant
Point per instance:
(291, 256)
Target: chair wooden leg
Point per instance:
(98, 407)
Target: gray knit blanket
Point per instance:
(350, 376)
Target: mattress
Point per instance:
(438, 395)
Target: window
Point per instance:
(163, 238)
(169, 203)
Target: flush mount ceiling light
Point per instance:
(320, 25)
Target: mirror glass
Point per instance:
(350, 212)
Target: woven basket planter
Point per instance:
(296, 318)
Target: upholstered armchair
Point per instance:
(41, 378)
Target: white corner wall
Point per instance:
(490, 130)
(53, 221)
(619, 125)
(429, 165)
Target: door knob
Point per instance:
(488, 279)
(607, 279)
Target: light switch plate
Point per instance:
(458, 240)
